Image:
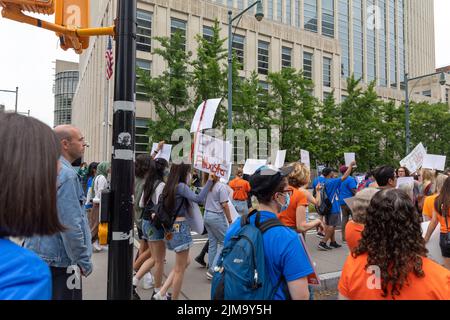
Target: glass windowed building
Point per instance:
(329, 40)
(66, 81)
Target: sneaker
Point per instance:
(158, 296)
(200, 261)
(135, 294)
(96, 247)
(320, 235)
(323, 246)
(209, 276)
(335, 245)
(135, 281)
(147, 281)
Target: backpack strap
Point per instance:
(271, 223)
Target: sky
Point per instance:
(27, 56)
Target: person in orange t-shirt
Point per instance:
(358, 205)
(383, 269)
(295, 215)
(241, 188)
(428, 205)
(441, 215)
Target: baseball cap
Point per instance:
(267, 178)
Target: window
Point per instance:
(264, 85)
(427, 93)
(142, 140)
(326, 95)
(240, 4)
(308, 65)
(393, 44)
(288, 12)
(180, 26)
(208, 33)
(382, 35)
(401, 42)
(230, 3)
(279, 10)
(286, 57)
(358, 52)
(144, 31)
(270, 9)
(263, 57)
(344, 39)
(140, 91)
(297, 13)
(238, 47)
(371, 47)
(327, 72)
(328, 18)
(311, 15)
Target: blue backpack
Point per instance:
(241, 273)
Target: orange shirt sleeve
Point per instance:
(428, 207)
(302, 199)
(247, 186)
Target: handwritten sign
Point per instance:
(304, 158)
(212, 155)
(414, 160)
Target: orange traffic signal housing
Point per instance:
(37, 6)
(72, 14)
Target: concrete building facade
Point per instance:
(327, 39)
(66, 81)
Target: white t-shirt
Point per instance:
(155, 196)
(100, 184)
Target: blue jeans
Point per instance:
(181, 237)
(216, 224)
(241, 207)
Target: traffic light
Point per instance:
(36, 6)
(73, 14)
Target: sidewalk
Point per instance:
(328, 265)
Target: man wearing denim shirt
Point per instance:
(68, 253)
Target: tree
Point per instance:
(392, 134)
(169, 92)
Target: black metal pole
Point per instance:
(120, 255)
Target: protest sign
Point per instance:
(304, 158)
(434, 250)
(195, 218)
(212, 155)
(414, 160)
(251, 165)
(360, 179)
(204, 116)
(164, 153)
(405, 180)
(281, 157)
(349, 158)
(434, 162)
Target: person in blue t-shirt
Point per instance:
(28, 204)
(332, 220)
(348, 189)
(283, 250)
(326, 172)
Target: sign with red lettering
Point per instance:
(212, 155)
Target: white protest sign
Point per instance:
(195, 218)
(360, 179)
(281, 157)
(405, 180)
(434, 250)
(212, 155)
(164, 153)
(414, 160)
(204, 116)
(349, 158)
(435, 162)
(251, 165)
(304, 158)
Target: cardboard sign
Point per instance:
(405, 180)
(434, 250)
(313, 278)
(435, 162)
(349, 158)
(204, 116)
(212, 155)
(164, 153)
(414, 160)
(251, 165)
(281, 157)
(304, 158)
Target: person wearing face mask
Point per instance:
(285, 256)
(217, 219)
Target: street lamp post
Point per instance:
(17, 95)
(259, 16)
(442, 82)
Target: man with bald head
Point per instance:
(67, 253)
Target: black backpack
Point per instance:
(164, 219)
(149, 206)
(325, 205)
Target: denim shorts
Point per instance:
(150, 232)
(181, 237)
